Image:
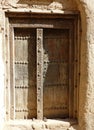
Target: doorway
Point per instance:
(43, 68)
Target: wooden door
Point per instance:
(56, 73)
(42, 65)
(25, 73)
(41, 90)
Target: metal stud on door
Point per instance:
(25, 73)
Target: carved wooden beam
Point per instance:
(40, 74)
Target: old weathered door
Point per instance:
(41, 72)
(42, 66)
(56, 73)
(24, 73)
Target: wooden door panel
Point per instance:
(63, 73)
(58, 51)
(56, 73)
(21, 75)
(25, 73)
(52, 78)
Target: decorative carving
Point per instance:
(22, 87)
(40, 73)
(24, 110)
(59, 84)
(21, 62)
(9, 3)
(40, 4)
(64, 107)
(24, 37)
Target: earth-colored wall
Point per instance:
(86, 87)
(86, 91)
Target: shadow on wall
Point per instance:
(38, 2)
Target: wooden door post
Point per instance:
(39, 74)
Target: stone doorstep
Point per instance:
(49, 124)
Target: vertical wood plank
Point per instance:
(70, 111)
(77, 40)
(12, 88)
(56, 76)
(75, 70)
(25, 73)
(70, 76)
(39, 74)
(7, 70)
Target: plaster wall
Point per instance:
(86, 91)
(86, 86)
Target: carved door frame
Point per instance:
(68, 21)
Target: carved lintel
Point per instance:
(7, 4)
(31, 4)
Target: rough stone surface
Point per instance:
(40, 125)
(41, 4)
